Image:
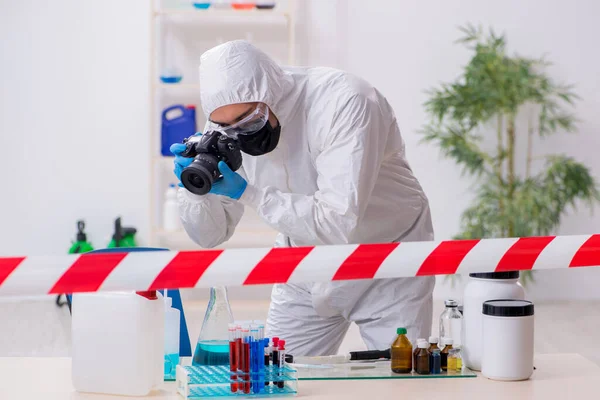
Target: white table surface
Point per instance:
(558, 376)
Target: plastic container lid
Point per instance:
(423, 345)
(508, 308)
(433, 339)
(401, 331)
(448, 341)
(496, 275)
(451, 303)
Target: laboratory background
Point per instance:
(92, 92)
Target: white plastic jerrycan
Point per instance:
(117, 342)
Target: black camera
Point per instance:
(207, 150)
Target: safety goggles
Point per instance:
(252, 123)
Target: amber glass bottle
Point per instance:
(422, 359)
(449, 342)
(401, 353)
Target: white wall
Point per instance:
(73, 117)
(74, 109)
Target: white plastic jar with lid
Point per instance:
(480, 288)
(507, 340)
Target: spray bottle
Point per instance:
(123, 237)
(80, 245)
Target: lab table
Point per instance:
(557, 376)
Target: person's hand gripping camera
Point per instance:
(201, 159)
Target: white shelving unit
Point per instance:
(251, 232)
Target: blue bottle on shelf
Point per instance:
(175, 129)
(202, 5)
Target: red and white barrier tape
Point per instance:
(21, 276)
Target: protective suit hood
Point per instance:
(237, 72)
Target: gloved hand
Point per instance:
(231, 184)
(180, 162)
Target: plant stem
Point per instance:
(529, 145)
(500, 150)
(500, 162)
(511, 167)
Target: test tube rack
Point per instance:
(195, 382)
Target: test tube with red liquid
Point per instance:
(245, 359)
(233, 356)
(281, 363)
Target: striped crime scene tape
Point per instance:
(39, 275)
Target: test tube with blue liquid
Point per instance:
(254, 359)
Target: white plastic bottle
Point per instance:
(172, 316)
(171, 222)
(480, 288)
(117, 342)
(508, 340)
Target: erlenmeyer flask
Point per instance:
(213, 342)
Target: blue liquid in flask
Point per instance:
(211, 352)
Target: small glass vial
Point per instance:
(433, 341)
(435, 363)
(401, 353)
(419, 340)
(451, 322)
(454, 361)
(448, 346)
(422, 360)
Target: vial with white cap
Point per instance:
(416, 350)
(422, 365)
(433, 341)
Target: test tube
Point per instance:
(239, 349)
(267, 353)
(276, 360)
(256, 358)
(245, 358)
(281, 384)
(261, 328)
(231, 329)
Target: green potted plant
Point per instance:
(497, 106)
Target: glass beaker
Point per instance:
(213, 342)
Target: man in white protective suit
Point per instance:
(323, 164)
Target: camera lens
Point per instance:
(199, 175)
(196, 181)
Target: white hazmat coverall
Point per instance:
(338, 175)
